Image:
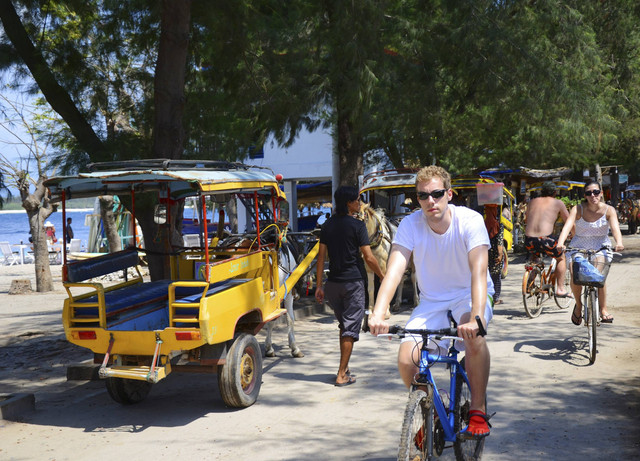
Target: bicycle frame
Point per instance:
(547, 273)
(426, 377)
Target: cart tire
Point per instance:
(240, 378)
(128, 391)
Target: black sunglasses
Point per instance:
(436, 194)
(594, 192)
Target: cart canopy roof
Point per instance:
(181, 178)
(389, 179)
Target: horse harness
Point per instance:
(379, 235)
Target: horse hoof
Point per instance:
(297, 354)
(270, 353)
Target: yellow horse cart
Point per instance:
(205, 317)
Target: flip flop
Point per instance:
(352, 380)
(576, 319)
(607, 319)
(565, 295)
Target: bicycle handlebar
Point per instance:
(586, 250)
(425, 332)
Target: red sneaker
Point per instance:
(478, 425)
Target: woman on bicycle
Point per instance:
(593, 218)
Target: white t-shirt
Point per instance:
(442, 261)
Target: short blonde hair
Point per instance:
(427, 173)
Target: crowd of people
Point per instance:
(458, 256)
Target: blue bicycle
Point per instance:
(432, 419)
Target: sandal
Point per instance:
(607, 318)
(576, 319)
(478, 425)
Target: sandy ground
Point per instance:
(549, 402)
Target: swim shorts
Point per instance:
(543, 245)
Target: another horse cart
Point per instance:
(205, 316)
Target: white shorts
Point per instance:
(433, 315)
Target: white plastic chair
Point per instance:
(75, 246)
(10, 258)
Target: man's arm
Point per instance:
(396, 265)
(371, 260)
(562, 210)
(568, 225)
(322, 256)
(478, 262)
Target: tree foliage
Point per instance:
(466, 84)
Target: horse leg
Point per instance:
(397, 302)
(295, 350)
(414, 283)
(268, 345)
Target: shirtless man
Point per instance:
(542, 213)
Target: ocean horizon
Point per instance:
(14, 225)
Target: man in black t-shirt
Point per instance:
(343, 238)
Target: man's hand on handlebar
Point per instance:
(378, 326)
(472, 329)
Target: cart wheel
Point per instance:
(128, 391)
(240, 378)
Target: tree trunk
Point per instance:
(38, 208)
(349, 152)
(109, 222)
(168, 135)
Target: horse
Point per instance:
(381, 233)
(287, 262)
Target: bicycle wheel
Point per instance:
(563, 303)
(465, 449)
(531, 296)
(505, 263)
(417, 427)
(591, 319)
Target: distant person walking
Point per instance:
(69, 231)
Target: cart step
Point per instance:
(140, 373)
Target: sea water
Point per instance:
(14, 225)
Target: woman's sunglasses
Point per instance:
(436, 194)
(594, 192)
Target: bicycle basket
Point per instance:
(592, 271)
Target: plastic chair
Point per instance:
(75, 246)
(10, 258)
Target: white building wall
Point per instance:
(308, 159)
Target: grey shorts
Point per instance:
(347, 301)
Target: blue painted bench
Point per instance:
(121, 302)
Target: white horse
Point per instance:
(286, 264)
(381, 233)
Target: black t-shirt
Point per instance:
(344, 235)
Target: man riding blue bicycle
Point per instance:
(450, 246)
